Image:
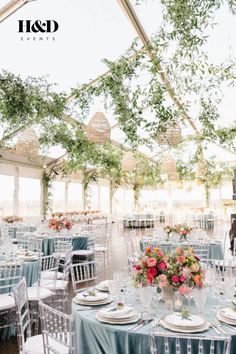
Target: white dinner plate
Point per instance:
(124, 313)
(91, 298)
(133, 319)
(103, 289)
(28, 258)
(97, 303)
(202, 328)
(176, 320)
(222, 318)
(229, 313)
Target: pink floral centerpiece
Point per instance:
(175, 269)
(183, 230)
(60, 224)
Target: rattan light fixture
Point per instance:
(28, 143)
(169, 168)
(128, 162)
(98, 129)
(172, 135)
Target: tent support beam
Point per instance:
(11, 7)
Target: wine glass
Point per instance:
(114, 288)
(200, 297)
(229, 289)
(146, 293)
(188, 292)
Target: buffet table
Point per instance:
(215, 252)
(94, 337)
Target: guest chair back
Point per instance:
(58, 330)
(176, 343)
(83, 273)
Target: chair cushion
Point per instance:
(6, 301)
(35, 294)
(34, 345)
(47, 274)
(50, 284)
(100, 249)
(83, 253)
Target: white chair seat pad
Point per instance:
(47, 274)
(34, 345)
(100, 249)
(35, 294)
(83, 253)
(6, 301)
(50, 284)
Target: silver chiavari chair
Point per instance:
(58, 331)
(10, 275)
(83, 273)
(26, 342)
(176, 343)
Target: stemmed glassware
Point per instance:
(146, 293)
(200, 297)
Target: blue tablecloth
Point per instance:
(30, 272)
(216, 250)
(78, 243)
(94, 337)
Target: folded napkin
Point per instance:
(125, 312)
(177, 320)
(228, 312)
(84, 296)
(104, 284)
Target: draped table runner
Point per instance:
(216, 250)
(94, 337)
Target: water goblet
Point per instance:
(146, 293)
(200, 297)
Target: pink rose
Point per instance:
(178, 250)
(180, 259)
(175, 279)
(162, 265)
(151, 262)
(182, 278)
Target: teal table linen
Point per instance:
(78, 243)
(94, 337)
(216, 250)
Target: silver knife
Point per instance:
(135, 325)
(142, 324)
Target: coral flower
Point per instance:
(151, 262)
(180, 259)
(148, 250)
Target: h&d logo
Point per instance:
(37, 27)
(27, 26)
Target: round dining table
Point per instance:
(79, 242)
(94, 337)
(215, 246)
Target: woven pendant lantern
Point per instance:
(169, 168)
(128, 162)
(201, 169)
(28, 143)
(98, 129)
(172, 135)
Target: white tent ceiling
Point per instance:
(89, 31)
